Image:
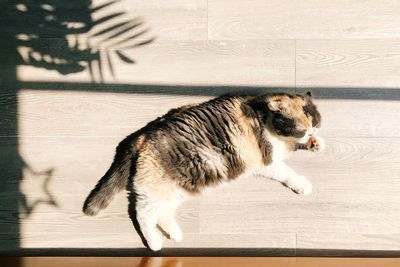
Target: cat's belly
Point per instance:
(250, 154)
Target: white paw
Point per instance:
(155, 242)
(316, 144)
(300, 185)
(172, 229)
(306, 188)
(175, 233)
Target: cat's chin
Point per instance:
(303, 140)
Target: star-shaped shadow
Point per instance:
(38, 183)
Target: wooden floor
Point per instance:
(194, 262)
(58, 132)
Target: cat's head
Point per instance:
(291, 115)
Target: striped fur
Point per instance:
(196, 146)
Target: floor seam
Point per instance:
(295, 66)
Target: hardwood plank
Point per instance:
(86, 159)
(91, 114)
(173, 62)
(178, 19)
(175, 20)
(348, 63)
(82, 114)
(197, 261)
(127, 238)
(341, 241)
(253, 19)
(349, 152)
(332, 262)
(359, 118)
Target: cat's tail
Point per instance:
(114, 181)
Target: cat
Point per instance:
(197, 146)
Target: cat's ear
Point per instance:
(308, 94)
(275, 105)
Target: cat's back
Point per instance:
(212, 119)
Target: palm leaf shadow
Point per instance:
(65, 37)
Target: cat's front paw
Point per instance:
(300, 185)
(305, 189)
(316, 144)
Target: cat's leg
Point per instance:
(167, 219)
(314, 144)
(147, 211)
(283, 173)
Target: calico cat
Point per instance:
(196, 146)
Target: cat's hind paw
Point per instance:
(172, 229)
(175, 233)
(154, 243)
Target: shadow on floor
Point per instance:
(345, 93)
(60, 35)
(205, 252)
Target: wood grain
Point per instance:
(378, 241)
(81, 114)
(197, 261)
(340, 19)
(341, 201)
(348, 63)
(175, 20)
(112, 115)
(173, 62)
